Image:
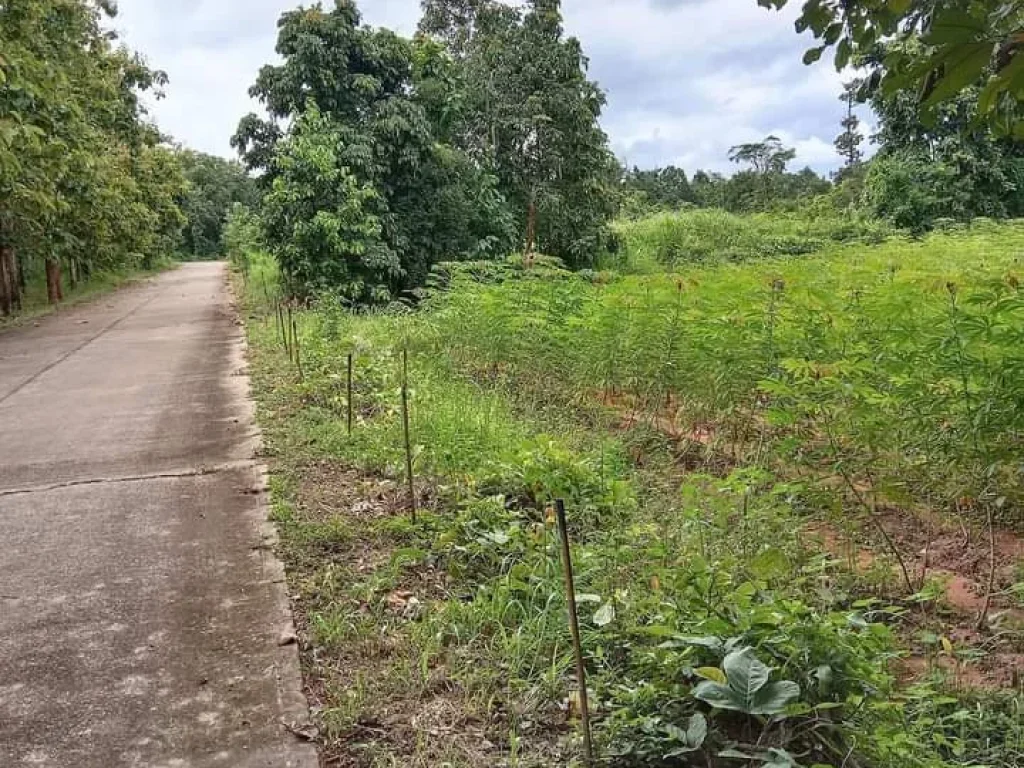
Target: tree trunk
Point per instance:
(531, 232)
(16, 268)
(53, 290)
(8, 281)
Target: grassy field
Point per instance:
(791, 487)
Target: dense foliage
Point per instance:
(85, 182)
(763, 186)
(476, 138)
(215, 185)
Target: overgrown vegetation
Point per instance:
(727, 439)
(666, 240)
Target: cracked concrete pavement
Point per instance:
(141, 610)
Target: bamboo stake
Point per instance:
(350, 394)
(298, 347)
(289, 328)
(574, 628)
(280, 325)
(405, 429)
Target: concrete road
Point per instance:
(141, 613)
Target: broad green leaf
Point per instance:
(773, 698)
(963, 66)
(719, 696)
(954, 26)
(697, 730)
(746, 675)
(769, 564)
(813, 54)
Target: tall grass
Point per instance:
(710, 236)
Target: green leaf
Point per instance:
(769, 564)
(719, 696)
(706, 641)
(746, 674)
(843, 53)
(813, 54)
(955, 26)
(714, 674)
(773, 698)
(747, 689)
(963, 66)
(697, 730)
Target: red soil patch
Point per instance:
(988, 658)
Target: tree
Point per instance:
(966, 42)
(663, 188)
(531, 117)
(768, 160)
(215, 185)
(326, 227)
(84, 183)
(367, 112)
(981, 173)
(848, 142)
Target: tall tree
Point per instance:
(75, 148)
(768, 160)
(532, 117)
(345, 105)
(215, 185)
(848, 142)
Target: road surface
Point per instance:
(143, 620)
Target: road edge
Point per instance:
(291, 698)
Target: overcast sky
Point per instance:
(686, 79)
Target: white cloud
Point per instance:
(686, 79)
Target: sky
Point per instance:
(686, 79)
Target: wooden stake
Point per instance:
(405, 428)
(574, 628)
(350, 394)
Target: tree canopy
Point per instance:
(85, 180)
(215, 185)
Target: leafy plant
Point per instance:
(743, 685)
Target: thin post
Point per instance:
(405, 429)
(298, 349)
(289, 329)
(349, 396)
(574, 628)
(281, 328)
